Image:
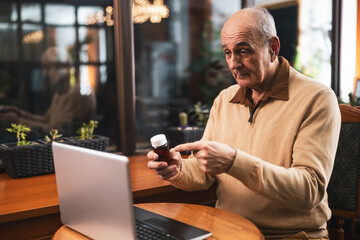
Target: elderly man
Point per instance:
(68, 105)
(270, 141)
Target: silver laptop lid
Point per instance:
(86, 180)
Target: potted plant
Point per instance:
(198, 116)
(25, 158)
(87, 139)
(353, 100)
(28, 158)
(20, 131)
(54, 134)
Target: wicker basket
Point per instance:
(178, 136)
(99, 143)
(37, 159)
(29, 160)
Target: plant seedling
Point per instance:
(20, 131)
(54, 133)
(87, 130)
(199, 114)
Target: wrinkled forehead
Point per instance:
(241, 33)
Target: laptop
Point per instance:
(95, 198)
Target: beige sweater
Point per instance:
(284, 157)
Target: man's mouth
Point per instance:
(239, 74)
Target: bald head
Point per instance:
(51, 55)
(258, 22)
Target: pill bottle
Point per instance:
(161, 147)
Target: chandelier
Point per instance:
(33, 37)
(100, 17)
(143, 10)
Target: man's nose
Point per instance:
(235, 62)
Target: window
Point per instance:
(178, 59)
(304, 29)
(178, 62)
(348, 47)
(53, 48)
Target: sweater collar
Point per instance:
(278, 90)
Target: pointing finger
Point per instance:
(194, 146)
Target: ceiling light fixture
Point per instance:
(143, 10)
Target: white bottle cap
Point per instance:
(158, 140)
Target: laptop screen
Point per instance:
(94, 192)
(95, 197)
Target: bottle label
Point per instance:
(164, 154)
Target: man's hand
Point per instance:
(213, 157)
(162, 169)
(12, 117)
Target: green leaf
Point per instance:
(10, 130)
(23, 136)
(47, 139)
(57, 135)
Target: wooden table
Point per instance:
(29, 207)
(222, 224)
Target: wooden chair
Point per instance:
(344, 185)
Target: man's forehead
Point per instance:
(246, 36)
(236, 44)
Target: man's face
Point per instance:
(246, 54)
(54, 74)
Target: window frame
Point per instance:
(125, 76)
(124, 45)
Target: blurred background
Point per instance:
(177, 59)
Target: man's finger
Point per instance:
(157, 165)
(202, 161)
(194, 146)
(165, 171)
(168, 176)
(152, 155)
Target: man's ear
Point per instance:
(274, 47)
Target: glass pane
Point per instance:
(49, 82)
(178, 62)
(64, 38)
(8, 81)
(88, 79)
(59, 14)
(90, 15)
(98, 81)
(93, 44)
(50, 92)
(304, 29)
(348, 46)
(8, 40)
(31, 12)
(314, 49)
(8, 12)
(32, 40)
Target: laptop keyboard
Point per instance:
(144, 231)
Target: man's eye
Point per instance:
(244, 51)
(227, 52)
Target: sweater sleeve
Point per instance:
(191, 177)
(303, 185)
